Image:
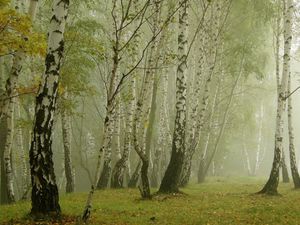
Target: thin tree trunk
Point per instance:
(224, 120)
(66, 133)
(272, 183)
(20, 143)
(198, 124)
(293, 164)
(120, 167)
(248, 165)
(135, 176)
(258, 151)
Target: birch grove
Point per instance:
(146, 97)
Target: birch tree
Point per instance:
(66, 133)
(293, 162)
(171, 178)
(271, 186)
(45, 197)
(8, 112)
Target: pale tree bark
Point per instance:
(120, 167)
(146, 107)
(44, 195)
(272, 183)
(105, 175)
(224, 118)
(9, 119)
(66, 133)
(117, 130)
(284, 170)
(20, 143)
(293, 164)
(259, 141)
(162, 134)
(248, 164)
(203, 155)
(213, 27)
(135, 176)
(171, 179)
(102, 178)
(8, 113)
(285, 173)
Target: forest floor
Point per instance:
(218, 201)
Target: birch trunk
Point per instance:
(66, 133)
(103, 180)
(272, 183)
(8, 117)
(146, 108)
(44, 195)
(258, 151)
(9, 120)
(293, 164)
(198, 124)
(162, 136)
(20, 143)
(105, 176)
(120, 167)
(223, 122)
(248, 164)
(285, 173)
(171, 179)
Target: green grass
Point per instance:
(218, 201)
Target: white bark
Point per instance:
(44, 188)
(8, 111)
(171, 178)
(20, 142)
(259, 141)
(272, 184)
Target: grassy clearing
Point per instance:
(218, 201)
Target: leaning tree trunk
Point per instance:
(144, 109)
(66, 133)
(44, 197)
(293, 164)
(119, 170)
(210, 159)
(135, 176)
(172, 175)
(104, 178)
(272, 183)
(103, 181)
